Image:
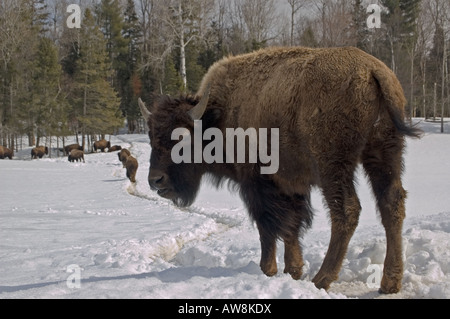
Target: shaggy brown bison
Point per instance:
(334, 108)
(76, 155)
(69, 148)
(6, 153)
(101, 145)
(39, 151)
(114, 148)
(123, 155)
(131, 165)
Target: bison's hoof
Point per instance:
(295, 272)
(388, 287)
(269, 271)
(322, 281)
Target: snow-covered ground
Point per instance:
(82, 230)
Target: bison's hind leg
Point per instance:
(337, 167)
(300, 218)
(345, 208)
(383, 164)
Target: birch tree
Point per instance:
(295, 6)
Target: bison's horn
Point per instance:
(145, 112)
(199, 110)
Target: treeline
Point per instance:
(57, 81)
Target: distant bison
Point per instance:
(71, 147)
(76, 155)
(114, 148)
(123, 155)
(333, 108)
(39, 151)
(132, 166)
(101, 145)
(6, 153)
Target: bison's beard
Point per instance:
(185, 197)
(186, 185)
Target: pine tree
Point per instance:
(360, 28)
(195, 71)
(38, 14)
(410, 13)
(98, 106)
(111, 23)
(400, 21)
(397, 46)
(47, 107)
(172, 83)
(128, 80)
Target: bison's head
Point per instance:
(177, 182)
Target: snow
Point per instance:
(82, 230)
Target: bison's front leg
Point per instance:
(268, 252)
(278, 216)
(293, 258)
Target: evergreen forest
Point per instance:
(57, 80)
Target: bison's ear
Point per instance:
(145, 112)
(198, 111)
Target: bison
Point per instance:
(76, 155)
(6, 153)
(123, 155)
(101, 145)
(69, 148)
(114, 148)
(131, 165)
(39, 151)
(335, 108)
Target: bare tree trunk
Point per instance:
(435, 102)
(413, 109)
(182, 48)
(444, 62)
(292, 25)
(83, 131)
(424, 89)
(295, 5)
(49, 147)
(448, 87)
(393, 64)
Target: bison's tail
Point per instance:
(395, 101)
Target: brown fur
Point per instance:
(39, 151)
(132, 166)
(101, 145)
(123, 155)
(76, 155)
(71, 147)
(6, 153)
(114, 148)
(335, 108)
